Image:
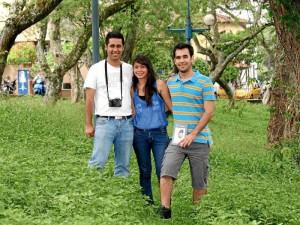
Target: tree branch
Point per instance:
(82, 42)
(243, 43)
(32, 14)
(41, 47)
(251, 36)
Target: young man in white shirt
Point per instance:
(108, 89)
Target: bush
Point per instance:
(22, 53)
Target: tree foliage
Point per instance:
(149, 23)
(144, 25)
(226, 48)
(202, 66)
(22, 15)
(22, 53)
(67, 24)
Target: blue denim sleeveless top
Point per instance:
(152, 116)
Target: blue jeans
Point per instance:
(111, 131)
(143, 142)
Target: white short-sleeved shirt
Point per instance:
(96, 80)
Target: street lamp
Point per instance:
(209, 20)
(95, 36)
(188, 30)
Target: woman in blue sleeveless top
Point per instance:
(150, 98)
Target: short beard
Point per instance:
(183, 71)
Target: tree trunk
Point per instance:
(227, 89)
(41, 44)
(267, 97)
(53, 82)
(55, 38)
(285, 89)
(76, 84)
(131, 35)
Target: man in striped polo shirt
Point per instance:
(193, 105)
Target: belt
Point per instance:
(115, 117)
(161, 129)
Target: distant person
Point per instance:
(150, 133)
(39, 84)
(193, 99)
(107, 87)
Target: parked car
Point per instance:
(221, 94)
(248, 92)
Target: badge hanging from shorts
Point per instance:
(179, 132)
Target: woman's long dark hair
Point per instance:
(151, 78)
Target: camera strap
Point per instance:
(106, 80)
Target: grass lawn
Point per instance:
(44, 178)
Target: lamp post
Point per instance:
(95, 36)
(95, 30)
(188, 30)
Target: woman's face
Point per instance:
(140, 70)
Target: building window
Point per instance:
(66, 86)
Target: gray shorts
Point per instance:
(197, 155)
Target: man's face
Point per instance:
(180, 134)
(114, 49)
(183, 60)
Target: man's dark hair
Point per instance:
(183, 46)
(114, 34)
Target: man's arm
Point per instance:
(89, 112)
(207, 115)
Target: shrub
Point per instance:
(22, 53)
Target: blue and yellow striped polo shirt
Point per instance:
(187, 101)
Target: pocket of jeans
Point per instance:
(101, 121)
(164, 132)
(130, 121)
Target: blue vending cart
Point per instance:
(23, 78)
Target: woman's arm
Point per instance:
(164, 92)
(132, 103)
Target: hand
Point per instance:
(187, 140)
(89, 131)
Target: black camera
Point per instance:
(116, 102)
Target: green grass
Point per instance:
(44, 178)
